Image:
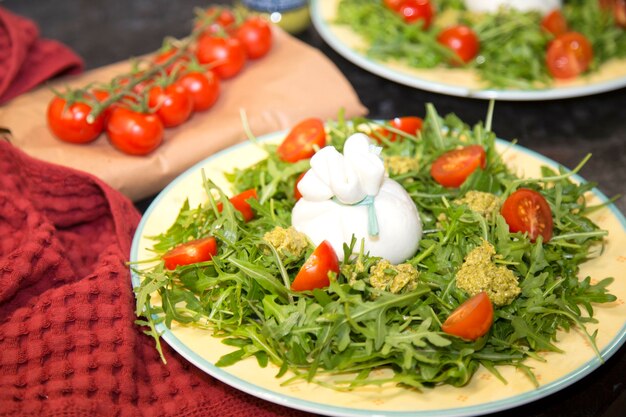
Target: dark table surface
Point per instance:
(106, 31)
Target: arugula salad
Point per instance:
(505, 49)
(493, 281)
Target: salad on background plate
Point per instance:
(505, 49)
(262, 265)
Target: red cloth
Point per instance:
(26, 60)
(68, 342)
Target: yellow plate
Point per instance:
(484, 394)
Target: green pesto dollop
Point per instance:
(393, 278)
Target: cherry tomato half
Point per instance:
(314, 272)
(172, 104)
(472, 319)
(202, 87)
(226, 54)
(134, 133)
(256, 37)
(69, 122)
(569, 55)
(199, 250)
(303, 140)
(527, 211)
(462, 40)
(554, 23)
(241, 204)
(417, 11)
(408, 124)
(453, 167)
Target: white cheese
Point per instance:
(334, 204)
(491, 6)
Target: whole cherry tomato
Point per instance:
(472, 319)
(554, 23)
(172, 104)
(452, 168)
(68, 122)
(417, 11)
(240, 203)
(527, 211)
(163, 56)
(216, 20)
(256, 37)
(199, 250)
(134, 133)
(569, 55)
(202, 87)
(462, 40)
(226, 54)
(314, 272)
(303, 140)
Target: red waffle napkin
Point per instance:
(27, 60)
(68, 342)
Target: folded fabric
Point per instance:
(68, 342)
(26, 60)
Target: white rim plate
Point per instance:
(343, 42)
(483, 395)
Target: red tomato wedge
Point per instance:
(472, 319)
(554, 23)
(569, 55)
(527, 211)
(453, 167)
(241, 204)
(192, 252)
(408, 124)
(303, 140)
(314, 272)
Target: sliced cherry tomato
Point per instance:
(417, 11)
(296, 193)
(472, 319)
(554, 23)
(462, 40)
(303, 140)
(408, 124)
(202, 87)
(527, 211)
(134, 133)
(69, 122)
(569, 55)
(314, 272)
(256, 37)
(199, 250)
(241, 204)
(226, 54)
(452, 168)
(172, 104)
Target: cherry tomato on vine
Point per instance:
(172, 104)
(134, 133)
(256, 37)
(218, 20)
(202, 87)
(163, 56)
(417, 11)
(69, 123)
(199, 250)
(554, 23)
(303, 140)
(226, 54)
(314, 272)
(408, 124)
(527, 211)
(472, 319)
(462, 40)
(569, 55)
(101, 96)
(240, 202)
(453, 167)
